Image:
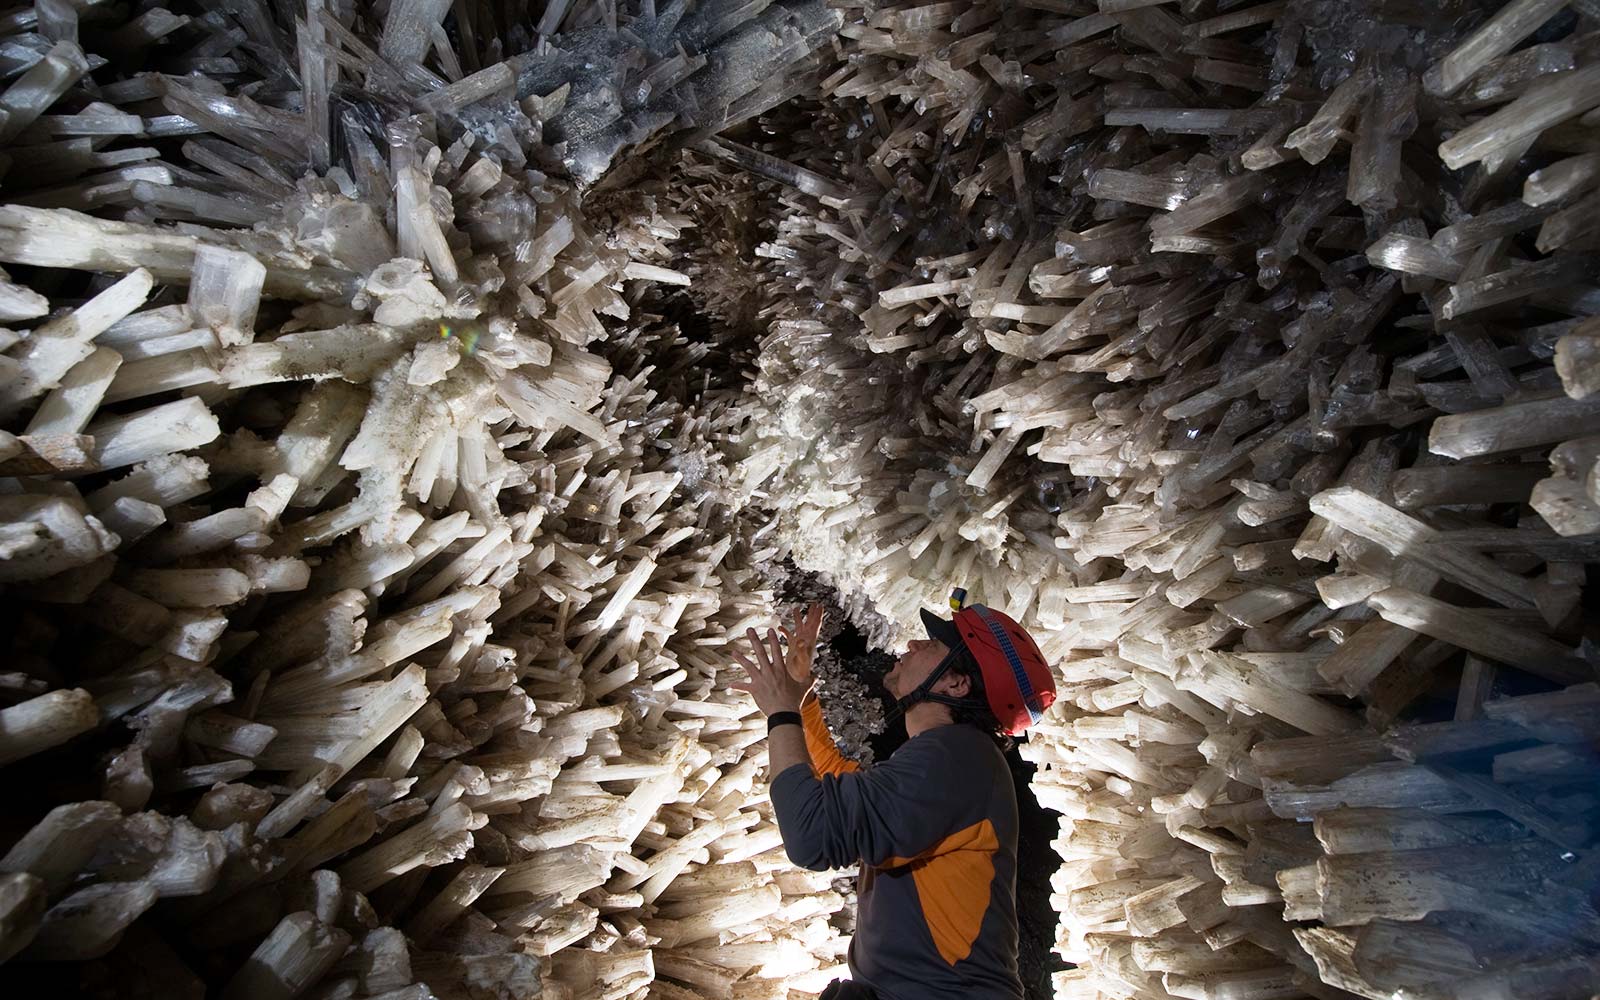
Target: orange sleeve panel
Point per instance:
(825, 755)
(953, 879)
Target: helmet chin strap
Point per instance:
(924, 691)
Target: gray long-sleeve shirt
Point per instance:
(935, 830)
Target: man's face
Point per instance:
(914, 666)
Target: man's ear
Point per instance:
(955, 685)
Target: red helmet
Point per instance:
(1016, 680)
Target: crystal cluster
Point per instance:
(370, 562)
(1243, 351)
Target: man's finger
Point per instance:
(760, 651)
(750, 666)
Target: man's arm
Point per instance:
(780, 686)
(898, 809)
(786, 747)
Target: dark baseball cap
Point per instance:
(943, 630)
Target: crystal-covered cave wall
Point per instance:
(406, 403)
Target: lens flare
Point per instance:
(468, 337)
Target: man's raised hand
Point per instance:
(778, 681)
(803, 642)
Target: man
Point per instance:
(934, 827)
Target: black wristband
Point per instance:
(777, 719)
